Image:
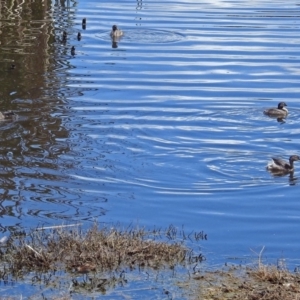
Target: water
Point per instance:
(164, 126)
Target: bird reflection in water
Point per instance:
(114, 42)
(292, 179)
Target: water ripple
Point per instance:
(164, 125)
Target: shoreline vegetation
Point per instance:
(102, 254)
(263, 282)
(94, 260)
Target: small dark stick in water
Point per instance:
(73, 50)
(84, 23)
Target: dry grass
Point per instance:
(105, 251)
(99, 257)
(256, 283)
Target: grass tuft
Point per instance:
(249, 283)
(105, 252)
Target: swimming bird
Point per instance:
(73, 50)
(279, 112)
(4, 115)
(281, 166)
(78, 36)
(115, 32)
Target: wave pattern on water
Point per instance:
(180, 125)
(164, 125)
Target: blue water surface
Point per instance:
(163, 126)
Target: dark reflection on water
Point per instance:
(291, 177)
(34, 180)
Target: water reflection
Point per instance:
(292, 179)
(115, 41)
(139, 4)
(168, 131)
(34, 178)
(281, 120)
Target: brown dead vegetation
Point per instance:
(248, 283)
(104, 252)
(98, 259)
